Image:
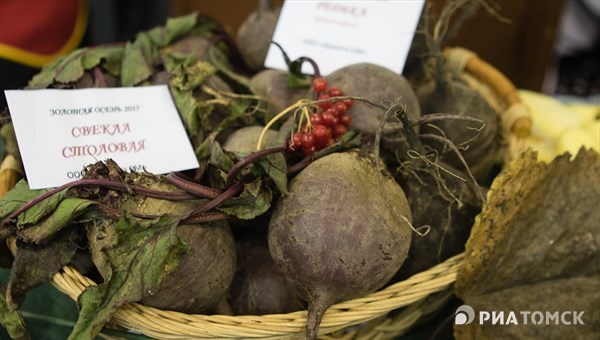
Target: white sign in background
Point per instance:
(61, 131)
(340, 33)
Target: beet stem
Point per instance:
(253, 157)
(224, 196)
(101, 183)
(191, 187)
(99, 77)
(206, 217)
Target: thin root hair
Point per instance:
(461, 158)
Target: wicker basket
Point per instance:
(421, 294)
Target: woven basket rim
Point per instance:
(169, 324)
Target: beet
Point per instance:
(258, 287)
(443, 89)
(255, 33)
(450, 222)
(202, 279)
(452, 95)
(336, 236)
(272, 84)
(377, 84)
(244, 140)
(196, 45)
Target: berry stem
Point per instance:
(278, 117)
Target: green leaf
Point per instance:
(157, 36)
(17, 197)
(239, 106)
(174, 62)
(42, 209)
(71, 68)
(110, 58)
(535, 247)
(254, 201)
(189, 73)
(275, 167)
(180, 26)
(187, 107)
(46, 76)
(219, 60)
(66, 211)
(135, 67)
(220, 158)
(12, 320)
(36, 265)
(295, 81)
(204, 149)
(145, 252)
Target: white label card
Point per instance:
(61, 131)
(340, 33)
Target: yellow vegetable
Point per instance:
(593, 130)
(558, 127)
(571, 140)
(550, 117)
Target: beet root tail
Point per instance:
(316, 310)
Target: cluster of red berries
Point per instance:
(329, 123)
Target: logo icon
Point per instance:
(464, 315)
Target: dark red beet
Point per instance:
(255, 33)
(336, 236)
(377, 84)
(258, 287)
(450, 222)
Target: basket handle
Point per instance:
(517, 116)
(11, 172)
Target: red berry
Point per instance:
(335, 92)
(308, 140)
(330, 141)
(334, 112)
(328, 119)
(319, 84)
(322, 134)
(324, 105)
(297, 140)
(308, 152)
(348, 103)
(340, 106)
(339, 130)
(346, 120)
(316, 119)
(336, 121)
